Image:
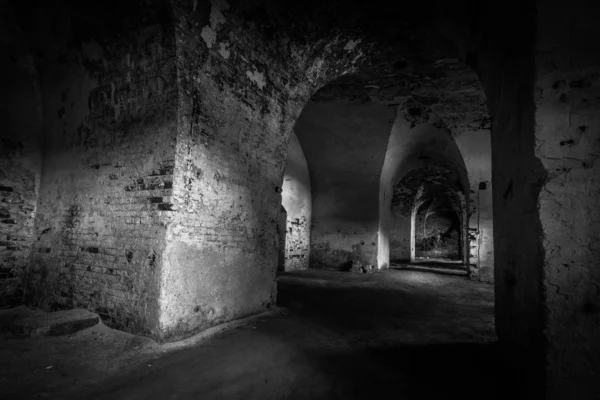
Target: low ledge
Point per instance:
(57, 323)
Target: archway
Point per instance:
(422, 162)
(437, 231)
(428, 193)
(296, 199)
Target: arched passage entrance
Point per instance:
(437, 231)
(429, 195)
(297, 201)
(423, 162)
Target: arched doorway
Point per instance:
(437, 231)
(296, 200)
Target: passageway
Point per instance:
(396, 334)
(438, 231)
(172, 166)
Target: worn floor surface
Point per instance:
(396, 334)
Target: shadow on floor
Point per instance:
(399, 300)
(395, 334)
(441, 371)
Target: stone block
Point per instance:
(35, 323)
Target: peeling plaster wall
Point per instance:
(541, 80)
(481, 233)
(20, 157)
(567, 134)
(296, 199)
(344, 143)
(109, 136)
(236, 113)
(222, 242)
(154, 130)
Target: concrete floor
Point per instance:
(395, 334)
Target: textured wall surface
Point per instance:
(165, 135)
(567, 133)
(20, 157)
(506, 69)
(296, 198)
(109, 141)
(241, 95)
(475, 146)
(165, 129)
(344, 143)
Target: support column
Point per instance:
(413, 233)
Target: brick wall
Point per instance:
(20, 158)
(241, 96)
(110, 117)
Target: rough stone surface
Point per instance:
(163, 128)
(56, 323)
(475, 146)
(20, 157)
(567, 144)
(108, 92)
(296, 198)
(506, 68)
(239, 95)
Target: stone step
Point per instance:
(33, 323)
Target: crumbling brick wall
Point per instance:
(109, 99)
(240, 98)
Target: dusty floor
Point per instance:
(440, 266)
(395, 334)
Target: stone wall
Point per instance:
(157, 204)
(109, 136)
(296, 199)
(165, 129)
(20, 157)
(567, 144)
(475, 146)
(240, 97)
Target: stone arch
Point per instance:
(296, 198)
(419, 142)
(422, 185)
(449, 202)
(226, 86)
